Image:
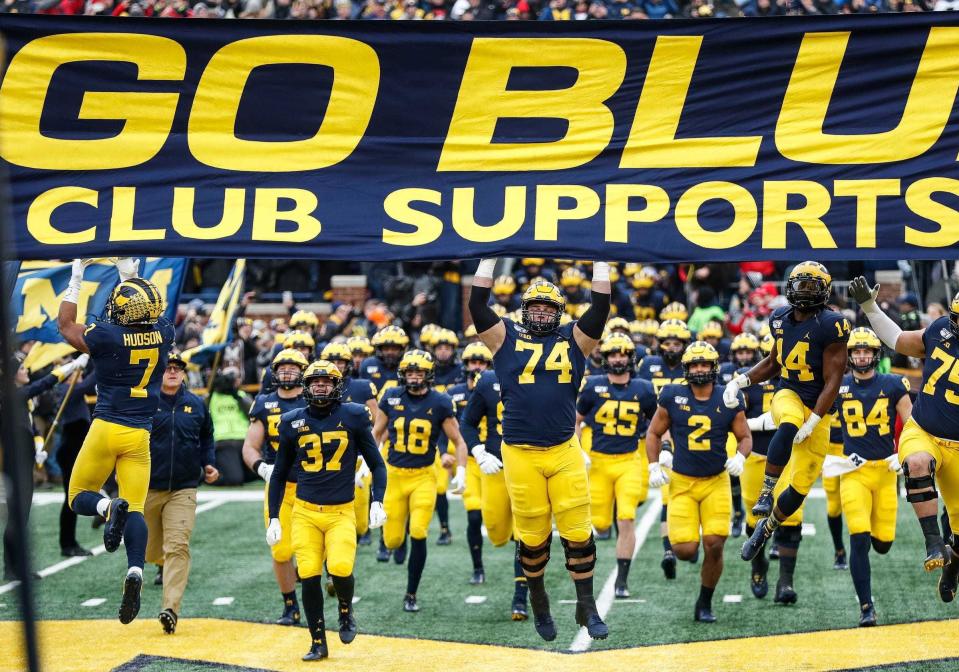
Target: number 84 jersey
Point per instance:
(414, 423)
(539, 377)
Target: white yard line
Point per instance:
(604, 602)
(100, 550)
(204, 495)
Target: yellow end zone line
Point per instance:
(101, 645)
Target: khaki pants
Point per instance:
(170, 515)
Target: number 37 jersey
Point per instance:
(937, 404)
(414, 423)
(539, 377)
(130, 363)
(800, 347)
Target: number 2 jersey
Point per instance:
(937, 405)
(415, 423)
(130, 363)
(699, 429)
(267, 408)
(868, 410)
(800, 347)
(539, 377)
(618, 414)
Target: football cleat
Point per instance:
(478, 578)
(867, 618)
(168, 619)
(542, 618)
(936, 556)
(603, 535)
(158, 579)
(758, 582)
(399, 553)
(318, 651)
(116, 519)
(130, 602)
(74, 551)
(840, 562)
(290, 615)
(383, 554)
(774, 552)
(409, 603)
(737, 527)
(949, 579)
(445, 538)
(588, 617)
(785, 593)
(364, 539)
(764, 504)
(669, 565)
(621, 591)
(347, 625)
(704, 614)
(520, 613)
(754, 544)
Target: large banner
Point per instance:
(822, 137)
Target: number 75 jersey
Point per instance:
(414, 423)
(539, 377)
(937, 404)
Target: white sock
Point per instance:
(135, 570)
(102, 506)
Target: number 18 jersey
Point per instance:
(414, 423)
(539, 377)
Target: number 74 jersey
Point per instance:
(414, 423)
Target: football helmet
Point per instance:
(339, 352)
(808, 285)
(289, 356)
(135, 302)
(618, 343)
(322, 368)
(547, 293)
(863, 337)
(696, 352)
(416, 360)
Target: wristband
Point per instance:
(600, 271)
(485, 269)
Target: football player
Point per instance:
(413, 416)
(504, 292)
(714, 334)
(699, 422)
(809, 353)
(617, 408)
(643, 333)
(647, 300)
(476, 359)
(360, 349)
(305, 321)
(674, 311)
(869, 403)
(661, 370)
(129, 349)
(318, 446)
(830, 484)
(447, 373)
(539, 365)
(259, 453)
(929, 440)
(532, 268)
(301, 341)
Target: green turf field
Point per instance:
(230, 559)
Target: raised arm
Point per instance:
(907, 343)
(489, 327)
(70, 329)
(589, 328)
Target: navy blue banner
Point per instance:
(823, 137)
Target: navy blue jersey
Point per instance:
(800, 347)
(699, 429)
(539, 377)
(483, 415)
(936, 404)
(835, 426)
(654, 369)
(321, 451)
(358, 390)
(648, 307)
(759, 399)
(373, 370)
(267, 408)
(130, 363)
(594, 368)
(446, 376)
(727, 370)
(617, 414)
(415, 424)
(868, 409)
(460, 394)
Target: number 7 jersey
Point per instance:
(937, 404)
(539, 377)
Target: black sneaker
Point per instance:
(669, 565)
(158, 579)
(785, 593)
(520, 613)
(758, 582)
(445, 538)
(867, 618)
(168, 619)
(737, 527)
(364, 539)
(116, 520)
(620, 591)
(603, 535)
(290, 615)
(588, 617)
(318, 651)
(347, 625)
(949, 579)
(399, 554)
(478, 578)
(74, 551)
(754, 544)
(840, 562)
(409, 603)
(130, 602)
(764, 504)
(704, 614)
(936, 555)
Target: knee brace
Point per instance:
(921, 482)
(587, 552)
(881, 547)
(789, 501)
(534, 559)
(788, 536)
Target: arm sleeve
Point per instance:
(585, 402)
(594, 319)
(474, 412)
(281, 468)
(483, 316)
(367, 448)
(39, 386)
(206, 441)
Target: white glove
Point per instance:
(265, 471)
(588, 460)
(128, 267)
(377, 515)
(666, 459)
(488, 463)
(893, 463)
(40, 455)
(72, 295)
(762, 423)
(274, 532)
(657, 477)
(82, 361)
(734, 465)
(458, 482)
(807, 428)
(731, 392)
(361, 474)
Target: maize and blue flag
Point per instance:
(219, 330)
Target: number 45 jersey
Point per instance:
(539, 377)
(800, 347)
(130, 363)
(414, 423)
(617, 414)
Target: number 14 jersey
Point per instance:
(800, 347)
